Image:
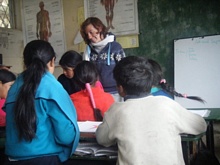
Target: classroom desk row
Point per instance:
(214, 116)
(190, 144)
(187, 139)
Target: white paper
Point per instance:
(203, 113)
(88, 126)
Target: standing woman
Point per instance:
(103, 51)
(41, 122)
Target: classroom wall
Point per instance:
(160, 22)
(70, 11)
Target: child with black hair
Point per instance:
(68, 62)
(41, 121)
(146, 128)
(91, 102)
(160, 86)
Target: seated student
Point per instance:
(7, 78)
(146, 128)
(41, 121)
(89, 102)
(68, 62)
(160, 87)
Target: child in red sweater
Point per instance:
(88, 103)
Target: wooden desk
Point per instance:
(91, 160)
(190, 145)
(188, 141)
(213, 117)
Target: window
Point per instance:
(6, 18)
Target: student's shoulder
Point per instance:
(116, 45)
(161, 93)
(49, 78)
(163, 99)
(61, 77)
(50, 83)
(79, 96)
(117, 107)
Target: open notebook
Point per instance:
(94, 149)
(91, 148)
(202, 112)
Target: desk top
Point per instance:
(214, 114)
(188, 138)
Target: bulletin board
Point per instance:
(124, 15)
(11, 42)
(197, 70)
(30, 9)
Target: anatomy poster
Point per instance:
(120, 16)
(44, 20)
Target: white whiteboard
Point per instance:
(197, 70)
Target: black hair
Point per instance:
(87, 73)
(134, 74)
(6, 76)
(37, 54)
(70, 59)
(158, 73)
(158, 76)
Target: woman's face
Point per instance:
(93, 34)
(4, 89)
(68, 72)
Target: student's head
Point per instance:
(39, 56)
(159, 81)
(68, 62)
(7, 78)
(93, 30)
(157, 70)
(86, 72)
(133, 75)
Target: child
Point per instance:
(68, 62)
(146, 128)
(41, 121)
(89, 102)
(160, 87)
(7, 78)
